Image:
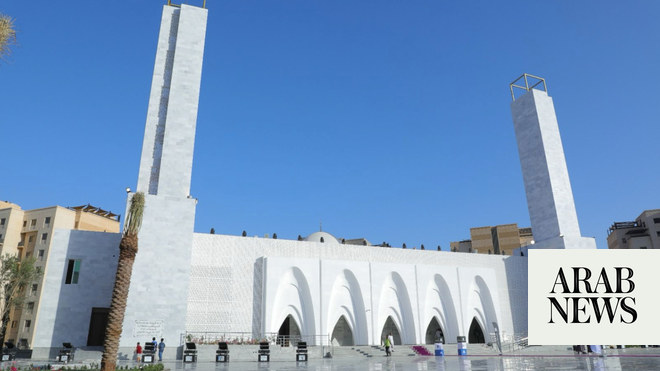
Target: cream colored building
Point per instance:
(642, 233)
(499, 240)
(28, 233)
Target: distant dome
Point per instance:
(327, 238)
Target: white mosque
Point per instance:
(318, 288)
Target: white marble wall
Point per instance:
(161, 273)
(65, 310)
(243, 284)
(547, 184)
(159, 287)
(154, 130)
(234, 290)
(167, 149)
(179, 138)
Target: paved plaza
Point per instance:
(592, 363)
(627, 359)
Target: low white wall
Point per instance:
(65, 310)
(243, 284)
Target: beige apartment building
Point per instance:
(642, 233)
(500, 240)
(28, 233)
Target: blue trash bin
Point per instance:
(439, 350)
(462, 345)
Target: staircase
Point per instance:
(368, 351)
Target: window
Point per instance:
(28, 322)
(13, 324)
(47, 221)
(44, 237)
(0, 236)
(72, 271)
(31, 238)
(656, 220)
(30, 307)
(41, 254)
(33, 292)
(2, 221)
(33, 223)
(22, 343)
(656, 233)
(24, 223)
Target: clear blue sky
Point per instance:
(383, 119)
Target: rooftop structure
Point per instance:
(642, 233)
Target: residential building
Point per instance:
(642, 233)
(27, 233)
(499, 240)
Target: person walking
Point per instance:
(391, 339)
(138, 352)
(387, 346)
(161, 348)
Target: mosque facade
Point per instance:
(189, 285)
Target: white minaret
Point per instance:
(547, 185)
(157, 299)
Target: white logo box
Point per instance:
(643, 300)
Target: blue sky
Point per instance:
(384, 119)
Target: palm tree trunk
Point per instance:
(127, 250)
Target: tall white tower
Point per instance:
(547, 185)
(157, 299)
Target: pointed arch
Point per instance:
(480, 307)
(439, 304)
(476, 333)
(395, 304)
(390, 327)
(346, 301)
(434, 333)
(342, 334)
(293, 299)
(289, 332)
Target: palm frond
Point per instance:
(7, 35)
(134, 217)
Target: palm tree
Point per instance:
(128, 247)
(7, 35)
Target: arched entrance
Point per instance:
(476, 334)
(289, 332)
(342, 333)
(390, 328)
(434, 333)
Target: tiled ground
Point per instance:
(441, 364)
(629, 359)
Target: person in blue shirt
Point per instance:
(161, 348)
